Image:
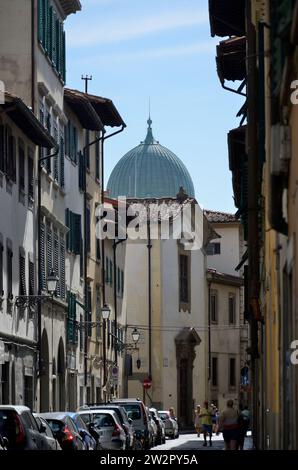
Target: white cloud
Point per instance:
(122, 30)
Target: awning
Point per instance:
(24, 118)
(227, 17)
(231, 59)
(83, 109)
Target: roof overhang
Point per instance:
(84, 111)
(106, 110)
(223, 278)
(231, 59)
(227, 18)
(24, 118)
(70, 6)
(237, 150)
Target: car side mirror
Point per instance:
(42, 428)
(130, 420)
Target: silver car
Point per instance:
(45, 429)
(171, 425)
(112, 435)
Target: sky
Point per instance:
(162, 50)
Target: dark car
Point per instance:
(64, 430)
(18, 426)
(89, 441)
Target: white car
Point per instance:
(112, 435)
(171, 425)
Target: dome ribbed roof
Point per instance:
(149, 171)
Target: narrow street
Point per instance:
(190, 441)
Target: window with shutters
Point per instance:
(9, 256)
(82, 173)
(98, 311)
(30, 177)
(49, 250)
(89, 309)
(42, 121)
(48, 125)
(61, 158)
(51, 36)
(71, 141)
(1, 266)
(21, 171)
(88, 230)
(72, 331)
(232, 372)
(56, 261)
(87, 150)
(31, 276)
(42, 274)
(232, 309)
(56, 158)
(62, 268)
(22, 273)
(74, 235)
(214, 372)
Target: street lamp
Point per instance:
(52, 281)
(135, 336)
(105, 312)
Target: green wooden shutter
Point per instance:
(69, 318)
(56, 261)
(49, 249)
(41, 20)
(62, 268)
(42, 274)
(88, 235)
(47, 33)
(67, 223)
(76, 233)
(57, 43)
(74, 319)
(63, 57)
(62, 155)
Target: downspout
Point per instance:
(149, 246)
(253, 191)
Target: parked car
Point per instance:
(161, 434)
(64, 430)
(136, 410)
(44, 428)
(89, 441)
(126, 422)
(112, 434)
(18, 426)
(171, 425)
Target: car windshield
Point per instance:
(163, 416)
(133, 411)
(55, 425)
(103, 420)
(80, 423)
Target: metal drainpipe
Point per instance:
(253, 191)
(149, 246)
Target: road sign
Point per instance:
(114, 371)
(147, 383)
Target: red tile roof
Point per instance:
(220, 217)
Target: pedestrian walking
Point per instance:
(206, 423)
(198, 420)
(243, 422)
(228, 423)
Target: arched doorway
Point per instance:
(61, 376)
(44, 373)
(186, 341)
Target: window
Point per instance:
(88, 235)
(42, 256)
(56, 261)
(30, 177)
(48, 125)
(73, 237)
(9, 255)
(213, 249)
(22, 273)
(49, 250)
(213, 307)
(52, 36)
(31, 277)
(232, 372)
(72, 332)
(184, 278)
(232, 309)
(61, 156)
(71, 141)
(82, 173)
(87, 150)
(56, 158)
(21, 170)
(89, 309)
(98, 311)
(62, 267)
(214, 372)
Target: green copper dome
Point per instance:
(149, 171)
